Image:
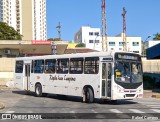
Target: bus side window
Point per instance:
(19, 67)
(76, 66)
(91, 65)
(50, 65)
(38, 66)
(62, 66)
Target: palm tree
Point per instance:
(157, 36)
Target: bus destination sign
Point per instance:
(127, 56)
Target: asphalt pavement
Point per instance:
(147, 94)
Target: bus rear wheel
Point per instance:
(38, 90)
(88, 96)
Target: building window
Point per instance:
(121, 43)
(111, 43)
(90, 41)
(135, 43)
(96, 41)
(136, 51)
(96, 33)
(91, 33)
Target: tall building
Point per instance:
(92, 39)
(28, 17)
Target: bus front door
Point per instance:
(106, 80)
(27, 77)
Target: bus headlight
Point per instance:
(120, 89)
(140, 89)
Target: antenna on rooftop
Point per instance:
(124, 29)
(59, 30)
(104, 27)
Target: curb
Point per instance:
(2, 105)
(155, 96)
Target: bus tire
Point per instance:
(38, 90)
(88, 96)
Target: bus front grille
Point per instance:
(130, 95)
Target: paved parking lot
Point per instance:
(17, 101)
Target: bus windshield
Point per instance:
(128, 72)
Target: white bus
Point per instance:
(102, 75)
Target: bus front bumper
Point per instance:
(120, 96)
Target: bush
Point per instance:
(80, 45)
(148, 82)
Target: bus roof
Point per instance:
(90, 54)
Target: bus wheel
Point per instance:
(89, 97)
(38, 90)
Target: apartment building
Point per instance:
(93, 40)
(28, 17)
(90, 37)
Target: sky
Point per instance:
(142, 17)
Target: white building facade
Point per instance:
(8, 12)
(151, 43)
(28, 17)
(91, 37)
(39, 19)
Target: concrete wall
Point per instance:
(151, 66)
(6, 70)
(9, 52)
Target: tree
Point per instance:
(54, 39)
(8, 33)
(157, 36)
(80, 45)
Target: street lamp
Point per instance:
(95, 39)
(144, 47)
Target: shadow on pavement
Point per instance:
(77, 99)
(24, 93)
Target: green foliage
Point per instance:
(70, 42)
(148, 82)
(157, 36)
(54, 39)
(80, 45)
(8, 33)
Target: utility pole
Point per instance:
(124, 30)
(59, 30)
(104, 27)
